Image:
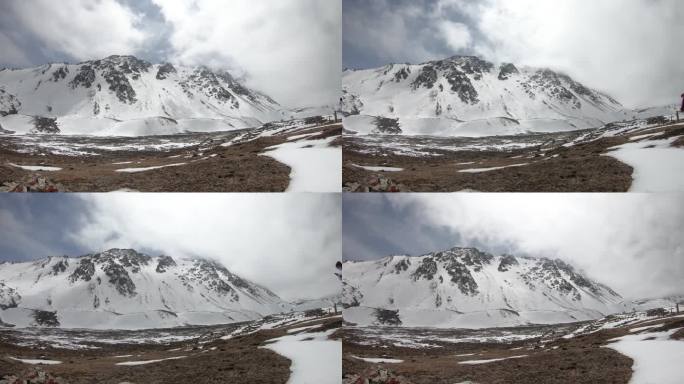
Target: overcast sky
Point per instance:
(287, 242)
(630, 49)
(631, 242)
(287, 49)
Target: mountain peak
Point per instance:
(467, 283)
(468, 93)
(126, 91)
(122, 288)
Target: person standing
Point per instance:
(682, 108)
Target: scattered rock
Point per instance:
(376, 376)
(32, 376)
(32, 183)
(376, 183)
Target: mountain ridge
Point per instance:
(123, 288)
(469, 96)
(465, 287)
(101, 96)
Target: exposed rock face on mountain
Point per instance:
(123, 288)
(465, 287)
(468, 96)
(124, 95)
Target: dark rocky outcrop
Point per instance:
(506, 70)
(9, 104)
(506, 262)
(60, 74)
(46, 318)
(387, 316)
(164, 263)
(45, 125)
(164, 70)
(386, 125)
(84, 271)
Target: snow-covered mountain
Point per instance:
(468, 96)
(123, 95)
(122, 288)
(467, 288)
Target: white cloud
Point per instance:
(289, 243)
(631, 242)
(629, 49)
(289, 49)
(83, 29)
(385, 32)
(457, 35)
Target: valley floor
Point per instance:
(619, 157)
(613, 350)
(273, 158)
(237, 353)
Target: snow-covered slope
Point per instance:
(122, 288)
(123, 95)
(468, 96)
(467, 288)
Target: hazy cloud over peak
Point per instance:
(287, 242)
(625, 48)
(289, 50)
(631, 242)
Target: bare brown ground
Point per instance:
(579, 168)
(238, 360)
(237, 168)
(581, 359)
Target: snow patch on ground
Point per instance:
(658, 167)
(37, 361)
(490, 360)
(378, 360)
(36, 167)
(479, 170)
(313, 361)
(379, 169)
(316, 167)
(143, 362)
(655, 361)
(134, 170)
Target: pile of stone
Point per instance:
(32, 183)
(375, 183)
(375, 376)
(33, 376)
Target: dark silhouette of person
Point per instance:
(682, 108)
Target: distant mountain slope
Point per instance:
(122, 288)
(468, 96)
(123, 95)
(464, 287)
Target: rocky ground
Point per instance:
(562, 162)
(557, 356)
(231, 354)
(218, 162)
